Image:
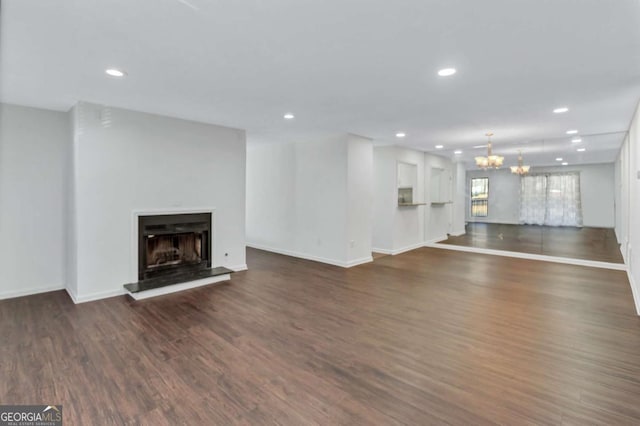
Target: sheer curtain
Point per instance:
(563, 200)
(533, 199)
(552, 199)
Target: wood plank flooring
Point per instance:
(577, 243)
(426, 337)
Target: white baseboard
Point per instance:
(530, 256)
(305, 256)
(497, 222)
(71, 294)
(30, 291)
(297, 254)
(624, 249)
(178, 287)
(635, 291)
(238, 268)
(357, 262)
(435, 240)
(457, 233)
(410, 247)
(393, 252)
(94, 296)
(382, 251)
(407, 248)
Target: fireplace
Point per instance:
(173, 244)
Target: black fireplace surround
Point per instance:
(173, 244)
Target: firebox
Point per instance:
(173, 244)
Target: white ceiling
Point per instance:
(362, 66)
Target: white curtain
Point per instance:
(533, 199)
(563, 200)
(552, 199)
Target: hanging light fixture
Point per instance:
(520, 169)
(490, 161)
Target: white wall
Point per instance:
(304, 197)
(633, 245)
(396, 229)
(622, 196)
(32, 199)
(360, 196)
(628, 230)
(438, 220)
(320, 199)
(400, 228)
(597, 188)
(271, 192)
(385, 197)
(459, 200)
(71, 238)
(408, 222)
(126, 161)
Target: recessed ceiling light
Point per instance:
(446, 72)
(560, 110)
(289, 116)
(115, 72)
(565, 164)
(581, 149)
(400, 135)
(457, 152)
(576, 140)
(572, 132)
(439, 146)
(559, 159)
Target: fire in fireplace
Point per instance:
(173, 244)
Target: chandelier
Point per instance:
(520, 169)
(490, 161)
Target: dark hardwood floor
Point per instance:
(577, 243)
(426, 337)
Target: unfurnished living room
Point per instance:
(319, 212)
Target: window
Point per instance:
(479, 197)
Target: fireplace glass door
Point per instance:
(172, 244)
